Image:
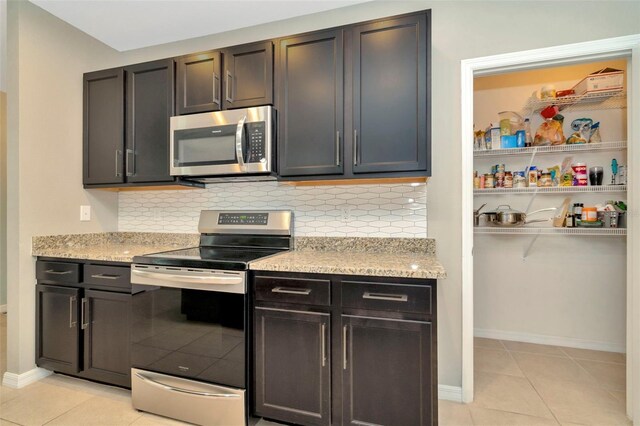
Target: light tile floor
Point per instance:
(519, 383)
(516, 384)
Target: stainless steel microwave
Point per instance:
(225, 144)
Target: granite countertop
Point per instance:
(381, 257)
(110, 246)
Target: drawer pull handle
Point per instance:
(182, 390)
(105, 276)
(288, 290)
(54, 272)
(386, 296)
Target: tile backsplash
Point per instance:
(397, 210)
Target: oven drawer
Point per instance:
(387, 297)
(57, 272)
(107, 276)
(293, 290)
(187, 400)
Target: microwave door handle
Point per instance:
(239, 147)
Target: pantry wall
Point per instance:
(567, 290)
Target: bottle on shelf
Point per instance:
(528, 140)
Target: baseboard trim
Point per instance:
(17, 381)
(450, 393)
(3, 309)
(542, 339)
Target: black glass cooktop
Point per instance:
(207, 257)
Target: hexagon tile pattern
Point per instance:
(395, 210)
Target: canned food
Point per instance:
(500, 168)
(489, 180)
(545, 180)
(499, 180)
(508, 180)
(519, 181)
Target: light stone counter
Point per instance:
(381, 257)
(110, 246)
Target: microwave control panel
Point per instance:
(256, 145)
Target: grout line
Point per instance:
(75, 406)
(526, 376)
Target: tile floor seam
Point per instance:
(62, 414)
(526, 376)
(595, 379)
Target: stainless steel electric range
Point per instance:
(189, 345)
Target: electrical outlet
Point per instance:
(85, 213)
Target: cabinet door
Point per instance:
(386, 370)
(198, 83)
(149, 107)
(105, 320)
(57, 328)
(103, 127)
(292, 366)
(248, 76)
(310, 99)
(390, 96)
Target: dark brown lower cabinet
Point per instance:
(106, 336)
(292, 365)
(58, 337)
(83, 324)
(386, 371)
(345, 350)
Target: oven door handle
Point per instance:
(239, 144)
(178, 281)
(182, 390)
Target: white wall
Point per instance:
(460, 30)
(570, 290)
(324, 210)
(46, 59)
(3, 152)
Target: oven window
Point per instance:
(211, 145)
(190, 333)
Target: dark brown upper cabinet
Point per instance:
(390, 95)
(248, 75)
(119, 150)
(150, 104)
(103, 127)
(310, 104)
(359, 109)
(198, 83)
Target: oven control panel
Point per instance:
(243, 218)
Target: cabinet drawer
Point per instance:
(387, 297)
(293, 290)
(108, 276)
(58, 272)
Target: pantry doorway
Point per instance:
(627, 48)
